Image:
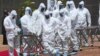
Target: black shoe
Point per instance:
(74, 52)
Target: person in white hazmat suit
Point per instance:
(84, 20)
(49, 27)
(51, 5)
(37, 17)
(25, 21)
(71, 12)
(11, 30)
(63, 33)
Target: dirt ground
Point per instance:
(86, 51)
(91, 51)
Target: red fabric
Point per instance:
(5, 53)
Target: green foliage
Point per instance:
(25, 4)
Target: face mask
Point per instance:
(42, 9)
(69, 6)
(61, 14)
(80, 6)
(14, 17)
(47, 16)
(61, 6)
(50, 14)
(30, 12)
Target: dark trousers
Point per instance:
(4, 39)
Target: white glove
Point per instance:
(17, 29)
(55, 51)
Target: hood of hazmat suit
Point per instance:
(70, 5)
(42, 7)
(84, 17)
(81, 5)
(51, 5)
(24, 19)
(28, 11)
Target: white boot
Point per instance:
(11, 54)
(18, 51)
(24, 54)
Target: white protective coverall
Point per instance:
(71, 12)
(84, 20)
(10, 26)
(64, 31)
(49, 26)
(25, 21)
(37, 17)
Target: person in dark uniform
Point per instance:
(5, 13)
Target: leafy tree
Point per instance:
(26, 3)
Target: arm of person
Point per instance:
(7, 25)
(88, 16)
